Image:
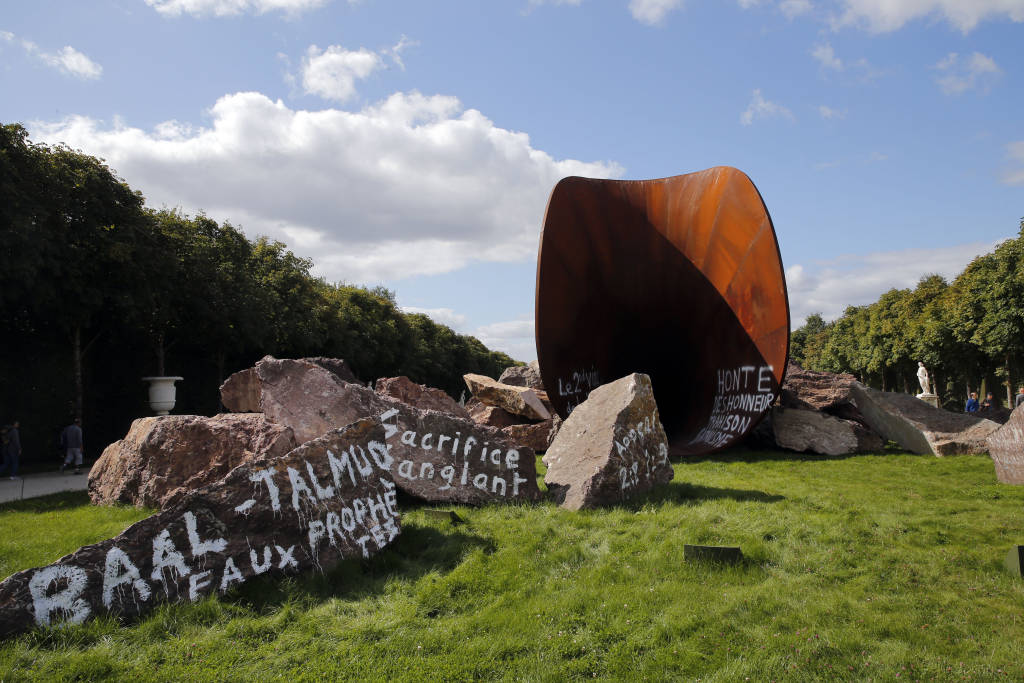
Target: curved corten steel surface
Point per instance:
(679, 278)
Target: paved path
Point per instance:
(41, 484)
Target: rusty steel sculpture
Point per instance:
(679, 278)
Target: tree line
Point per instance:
(97, 290)
(969, 333)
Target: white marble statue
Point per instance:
(922, 377)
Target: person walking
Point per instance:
(71, 438)
(12, 450)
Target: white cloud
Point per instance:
(332, 73)
(67, 60)
(227, 8)
(957, 75)
(880, 16)
(1015, 150)
(794, 8)
(826, 56)
(412, 185)
(652, 11)
(828, 287)
(395, 51)
(827, 112)
(444, 316)
(760, 108)
(514, 337)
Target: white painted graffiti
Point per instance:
(206, 561)
(742, 395)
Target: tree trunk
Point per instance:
(160, 354)
(220, 379)
(76, 370)
(1009, 384)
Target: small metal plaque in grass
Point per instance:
(713, 553)
(445, 516)
(1015, 560)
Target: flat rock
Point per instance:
(163, 458)
(816, 432)
(523, 376)
(419, 395)
(1006, 446)
(490, 416)
(438, 457)
(516, 400)
(536, 435)
(612, 447)
(325, 501)
(919, 427)
(240, 392)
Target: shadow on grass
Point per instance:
(48, 503)
(418, 551)
(693, 494)
(743, 453)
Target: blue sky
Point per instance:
(413, 144)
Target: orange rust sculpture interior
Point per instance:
(679, 278)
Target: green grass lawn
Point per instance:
(884, 567)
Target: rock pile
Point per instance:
(834, 414)
(516, 404)
(817, 414)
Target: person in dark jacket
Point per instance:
(12, 450)
(71, 438)
(1019, 398)
(972, 403)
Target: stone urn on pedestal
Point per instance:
(161, 393)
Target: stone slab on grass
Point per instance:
(816, 432)
(919, 427)
(612, 447)
(1006, 446)
(325, 501)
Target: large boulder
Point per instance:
(919, 427)
(817, 432)
(339, 367)
(612, 447)
(437, 456)
(311, 400)
(240, 393)
(419, 395)
(162, 458)
(491, 416)
(327, 500)
(523, 376)
(535, 435)
(1006, 446)
(516, 400)
(828, 392)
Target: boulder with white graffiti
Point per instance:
(612, 447)
(329, 499)
(438, 456)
